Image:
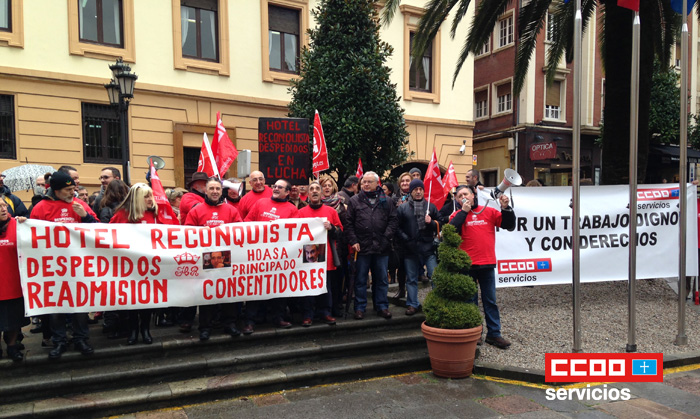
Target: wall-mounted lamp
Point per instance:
(464, 147)
(557, 138)
(538, 137)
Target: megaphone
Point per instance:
(158, 162)
(511, 178)
(233, 186)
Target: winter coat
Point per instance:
(372, 226)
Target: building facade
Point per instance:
(193, 58)
(532, 132)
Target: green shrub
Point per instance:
(447, 306)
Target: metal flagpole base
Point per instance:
(576, 351)
(681, 340)
(631, 348)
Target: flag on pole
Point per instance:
(449, 181)
(433, 183)
(222, 147)
(359, 171)
(677, 6)
(629, 4)
(207, 163)
(166, 215)
(320, 152)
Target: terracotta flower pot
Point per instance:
(451, 350)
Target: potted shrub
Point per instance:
(452, 325)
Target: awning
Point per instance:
(673, 152)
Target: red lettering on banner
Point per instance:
(82, 294)
(87, 267)
(65, 295)
(33, 290)
(305, 231)
(57, 230)
(302, 281)
(144, 295)
(157, 239)
(45, 266)
(82, 232)
(99, 238)
(189, 231)
(207, 283)
(32, 267)
(116, 243)
(100, 288)
(121, 294)
(172, 237)
(156, 268)
(36, 237)
(48, 293)
(62, 263)
(160, 289)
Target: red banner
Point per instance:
(320, 162)
(449, 181)
(207, 163)
(222, 147)
(434, 189)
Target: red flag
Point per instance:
(629, 4)
(222, 147)
(320, 152)
(449, 181)
(359, 172)
(207, 163)
(166, 215)
(435, 192)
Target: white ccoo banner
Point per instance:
(539, 251)
(98, 267)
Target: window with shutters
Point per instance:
(552, 105)
(485, 49)
(504, 97)
(7, 127)
(283, 31)
(200, 36)
(481, 103)
(101, 137)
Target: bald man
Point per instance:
(258, 190)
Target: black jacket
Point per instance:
(372, 226)
(14, 205)
(413, 241)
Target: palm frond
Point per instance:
(530, 22)
(436, 12)
(389, 11)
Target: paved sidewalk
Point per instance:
(422, 395)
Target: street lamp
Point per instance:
(120, 91)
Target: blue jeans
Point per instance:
(414, 267)
(380, 283)
(486, 277)
(58, 327)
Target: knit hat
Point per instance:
(415, 170)
(60, 180)
(415, 183)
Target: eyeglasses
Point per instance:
(105, 177)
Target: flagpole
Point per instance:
(430, 193)
(576, 184)
(634, 125)
(681, 337)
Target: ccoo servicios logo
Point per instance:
(607, 367)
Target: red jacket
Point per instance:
(332, 216)
(269, 210)
(212, 216)
(10, 286)
(251, 198)
(187, 202)
(58, 211)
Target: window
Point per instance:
(504, 97)
(552, 107)
(551, 26)
(7, 127)
(419, 72)
(486, 48)
(505, 31)
(283, 32)
(102, 29)
(101, 139)
(284, 39)
(421, 79)
(11, 24)
(481, 104)
(198, 24)
(190, 161)
(200, 36)
(101, 22)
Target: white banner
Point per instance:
(539, 251)
(99, 267)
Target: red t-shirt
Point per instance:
(249, 199)
(269, 210)
(58, 211)
(332, 216)
(233, 204)
(479, 235)
(121, 217)
(10, 286)
(212, 216)
(187, 202)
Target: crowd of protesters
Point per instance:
(387, 232)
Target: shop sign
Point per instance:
(543, 151)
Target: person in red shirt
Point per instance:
(334, 227)
(270, 209)
(212, 213)
(476, 224)
(304, 193)
(232, 190)
(60, 206)
(258, 191)
(11, 300)
(139, 207)
(195, 196)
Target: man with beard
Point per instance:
(332, 224)
(214, 212)
(258, 191)
(270, 209)
(417, 228)
(107, 175)
(61, 206)
(371, 226)
(15, 206)
(195, 196)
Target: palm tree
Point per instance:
(658, 34)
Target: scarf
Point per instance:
(332, 201)
(372, 196)
(419, 208)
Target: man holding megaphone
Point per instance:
(476, 225)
